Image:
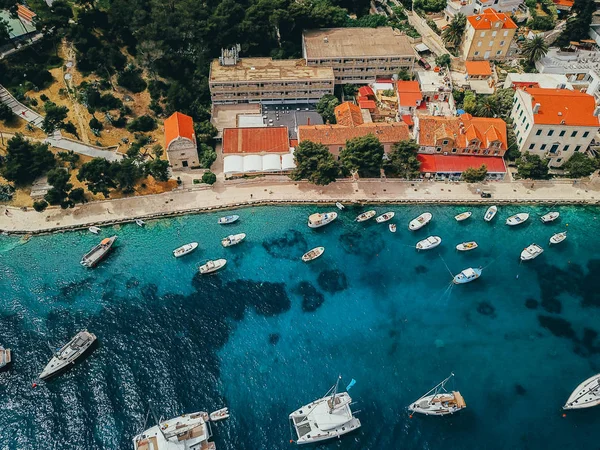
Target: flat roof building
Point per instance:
(358, 55)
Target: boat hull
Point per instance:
(57, 366)
(550, 217)
(467, 246)
(228, 219)
(430, 243)
(351, 426)
(185, 249)
(207, 268)
(462, 216)
(232, 240)
(517, 219)
(586, 395)
(366, 216)
(385, 217)
(313, 254)
(419, 222)
(531, 252)
(98, 253)
(438, 404)
(321, 219)
(490, 213)
(558, 238)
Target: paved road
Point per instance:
(430, 39)
(20, 109)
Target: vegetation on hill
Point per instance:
(578, 25)
(25, 161)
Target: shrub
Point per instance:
(95, 124)
(132, 80)
(40, 205)
(6, 113)
(44, 98)
(142, 123)
(209, 178)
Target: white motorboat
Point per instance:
(558, 237)
(219, 414)
(185, 249)
(467, 275)
(233, 239)
(188, 431)
(385, 217)
(463, 216)
(586, 395)
(339, 206)
(490, 213)
(531, 252)
(326, 418)
(5, 357)
(429, 243)
(550, 217)
(517, 219)
(438, 401)
(392, 227)
(313, 254)
(94, 230)
(95, 255)
(67, 355)
(466, 246)
(420, 221)
(228, 219)
(212, 266)
(140, 222)
(366, 216)
(319, 220)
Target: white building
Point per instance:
(554, 123)
(542, 80)
(470, 7)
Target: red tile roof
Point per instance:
(256, 140)
(458, 163)
(409, 93)
(25, 13)
(179, 125)
(366, 91)
(478, 68)
(348, 114)
(367, 104)
(408, 120)
(565, 3)
(525, 84)
(387, 133)
(563, 107)
(487, 19)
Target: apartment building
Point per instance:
(264, 80)
(554, 123)
(488, 36)
(358, 55)
(470, 7)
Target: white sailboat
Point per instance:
(65, 356)
(233, 239)
(463, 216)
(212, 266)
(420, 222)
(586, 395)
(517, 219)
(185, 249)
(558, 237)
(428, 243)
(325, 418)
(531, 252)
(550, 217)
(438, 401)
(385, 217)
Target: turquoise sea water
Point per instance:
(270, 333)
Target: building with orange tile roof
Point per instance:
(564, 5)
(488, 35)
(478, 70)
(464, 135)
(180, 141)
(335, 136)
(554, 123)
(255, 140)
(348, 114)
(451, 167)
(409, 96)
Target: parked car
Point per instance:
(423, 62)
(485, 194)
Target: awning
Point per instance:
(271, 163)
(233, 164)
(287, 162)
(252, 163)
(459, 163)
(422, 48)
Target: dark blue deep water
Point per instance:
(270, 333)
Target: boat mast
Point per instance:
(335, 388)
(435, 388)
(156, 420)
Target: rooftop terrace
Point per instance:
(267, 69)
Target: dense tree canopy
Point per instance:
(475, 175)
(578, 25)
(315, 164)
(25, 161)
(532, 166)
(453, 33)
(402, 160)
(580, 165)
(326, 107)
(6, 113)
(363, 154)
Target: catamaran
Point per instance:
(325, 418)
(420, 221)
(550, 217)
(467, 275)
(429, 243)
(95, 255)
(385, 217)
(65, 356)
(366, 215)
(233, 239)
(466, 246)
(313, 254)
(490, 213)
(212, 266)
(463, 216)
(586, 395)
(185, 249)
(438, 401)
(5, 357)
(517, 219)
(558, 237)
(531, 252)
(228, 219)
(319, 220)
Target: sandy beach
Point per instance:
(281, 190)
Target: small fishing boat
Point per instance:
(365, 216)
(490, 213)
(467, 275)
(94, 230)
(429, 243)
(517, 219)
(319, 220)
(550, 217)
(233, 239)
(185, 249)
(219, 414)
(140, 222)
(463, 216)
(339, 206)
(95, 255)
(5, 357)
(466, 246)
(586, 395)
(228, 219)
(420, 221)
(438, 401)
(212, 266)
(392, 227)
(558, 238)
(67, 355)
(313, 254)
(385, 217)
(531, 252)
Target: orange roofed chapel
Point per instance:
(488, 35)
(180, 142)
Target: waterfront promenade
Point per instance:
(259, 191)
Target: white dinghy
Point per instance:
(490, 213)
(558, 237)
(313, 254)
(463, 216)
(467, 275)
(429, 243)
(467, 246)
(385, 217)
(212, 266)
(392, 227)
(517, 219)
(550, 217)
(586, 395)
(318, 220)
(420, 222)
(531, 252)
(233, 239)
(185, 249)
(140, 222)
(228, 219)
(438, 401)
(219, 414)
(339, 206)
(94, 230)
(366, 216)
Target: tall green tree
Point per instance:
(578, 25)
(363, 154)
(59, 180)
(580, 165)
(453, 33)
(402, 160)
(25, 161)
(534, 49)
(314, 163)
(126, 173)
(475, 175)
(326, 106)
(98, 176)
(532, 166)
(6, 113)
(55, 117)
(158, 168)
(4, 32)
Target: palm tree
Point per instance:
(453, 33)
(487, 107)
(535, 49)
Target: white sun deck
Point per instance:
(186, 432)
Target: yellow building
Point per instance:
(488, 35)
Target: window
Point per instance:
(184, 163)
(559, 160)
(498, 24)
(520, 140)
(505, 33)
(494, 33)
(476, 53)
(586, 134)
(438, 149)
(445, 142)
(498, 52)
(550, 132)
(454, 150)
(501, 43)
(566, 148)
(482, 34)
(538, 132)
(554, 148)
(562, 133)
(531, 146)
(578, 148)
(479, 44)
(574, 133)
(527, 127)
(543, 147)
(491, 44)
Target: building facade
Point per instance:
(409, 97)
(470, 7)
(180, 142)
(554, 123)
(488, 36)
(451, 167)
(358, 55)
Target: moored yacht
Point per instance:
(228, 219)
(490, 213)
(531, 252)
(467, 275)
(385, 217)
(69, 353)
(429, 243)
(95, 255)
(420, 222)
(317, 220)
(325, 418)
(185, 249)
(466, 246)
(558, 237)
(550, 217)
(438, 401)
(313, 254)
(5, 357)
(463, 216)
(366, 216)
(586, 395)
(212, 266)
(233, 239)
(517, 219)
